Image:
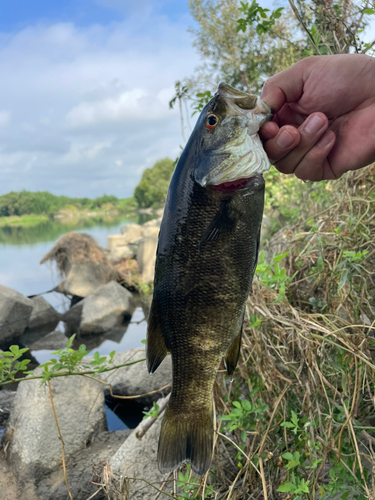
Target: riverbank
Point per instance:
(64, 216)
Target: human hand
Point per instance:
(324, 122)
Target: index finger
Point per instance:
(285, 87)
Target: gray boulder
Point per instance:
(105, 309)
(53, 341)
(151, 232)
(135, 379)
(15, 310)
(88, 465)
(43, 314)
(86, 277)
(73, 315)
(138, 458)
(31, 435)
(121, 252)
(131, 233)
(146, 257)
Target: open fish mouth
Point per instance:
(233, 151)
(231, 187)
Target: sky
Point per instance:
(84, 92)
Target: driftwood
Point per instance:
(143, 427)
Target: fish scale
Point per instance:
(206, 258)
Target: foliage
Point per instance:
(45, 203)
(152, 412)
(67, 361)
(152, 190)
(240, 57)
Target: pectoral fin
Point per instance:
(220, 225)
(233, 353)
(156, 350)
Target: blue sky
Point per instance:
(84, 91)
(18, 14)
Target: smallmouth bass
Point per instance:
(206, 259)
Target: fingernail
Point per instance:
(284, 140)
(326, 139)
(314, 124)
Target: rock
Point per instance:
(6, 403)
(53, 341)
(31, 434)
(73, 315)
(121, 252)
(116, 240)
(151, 232)
(107, 308)
(82, 467)
(15, 310)
(83, 262)
(131, 232)
(86, 277)
(152, 223)
(135, 379)
(43, 314)
(146, 258)
(137, 458)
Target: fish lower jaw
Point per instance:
(230, 187)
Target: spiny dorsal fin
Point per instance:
(156, 350)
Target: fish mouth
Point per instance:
(231, 187)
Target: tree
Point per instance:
(152, 190)
(241, 59)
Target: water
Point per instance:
(21, 250)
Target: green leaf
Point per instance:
(236, 404)
(369, 11)
(143, 341)
(288, 456)
(70, 341)
(280, 257)
(286, 488)
(243, 436)
(246, 405)
(288, 425)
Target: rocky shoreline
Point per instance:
(103, 286)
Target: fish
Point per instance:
(206, 258)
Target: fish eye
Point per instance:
(211, 121)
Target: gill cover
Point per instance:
(233, 149)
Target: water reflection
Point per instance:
(51, 230)
(118, 340)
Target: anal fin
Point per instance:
(156, 349)
(233, 353)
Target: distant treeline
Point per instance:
(150, 192)
(45, 203)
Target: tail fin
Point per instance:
(186, 438)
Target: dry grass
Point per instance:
(79, 248)
(309, 352)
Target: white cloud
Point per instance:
(88, 107)
(4, 118)
(133, 105)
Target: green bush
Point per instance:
(152, 190)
